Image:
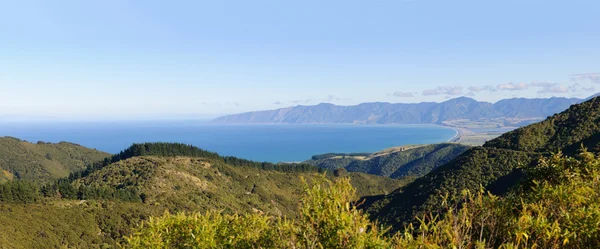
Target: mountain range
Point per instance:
(462, 108)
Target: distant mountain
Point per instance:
(593, 96)
(418, 113)
(43, 161)
(413, 162)
(497, 166)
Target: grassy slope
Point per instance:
(170, 183)
(412, 162)
(184, 184)
(43, 161)
(494, 166)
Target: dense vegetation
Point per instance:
(556, 207)
(497, 166)
(69, 223)
(19, 191)
(411, 162)
(117, 197)
(43, 161)
(327, 220)
(495, 169)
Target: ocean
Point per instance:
(272, 143)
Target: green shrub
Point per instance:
(328, 220)
(556, 208)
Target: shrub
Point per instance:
(328, 220)
(557, 207)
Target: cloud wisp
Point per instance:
(444, 90)
(547, 87)
(512, 86)
(402, 94)
(476, 89)
(586, 77)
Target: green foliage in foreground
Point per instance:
(69, 224)
(556, 208)
(328, 220)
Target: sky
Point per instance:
(119, 59)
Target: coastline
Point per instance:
(460, 133)
(455, 137)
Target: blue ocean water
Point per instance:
(273, 143)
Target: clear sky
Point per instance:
(119, 59)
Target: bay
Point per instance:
(272, 143)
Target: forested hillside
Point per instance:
(413, 162)
(497, 166)
(43, 161)
(106, 202)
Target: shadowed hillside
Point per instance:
(416, 161)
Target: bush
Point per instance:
(328, 220)
(557, 207)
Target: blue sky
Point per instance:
(115, 59)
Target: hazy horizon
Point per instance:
(200, 118)
(139, 60)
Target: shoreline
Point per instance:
(454, 137)
(460, 132)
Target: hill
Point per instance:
(504, 112)
(99, 207)
(43, 161)
(497, 166)
(185, 184)
(415, 162)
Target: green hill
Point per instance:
(43, 161)
(185, 184)
(416, 161)
(100, 207)
(497, 166)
